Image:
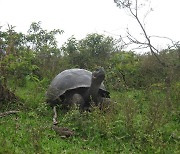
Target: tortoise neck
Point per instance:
(92, 92)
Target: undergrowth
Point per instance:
(137, 121)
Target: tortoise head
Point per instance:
(98, 76)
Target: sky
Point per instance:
(81, 17)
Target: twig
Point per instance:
(63, 131)
(7, 113)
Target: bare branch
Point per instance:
(174, 43)
(8, 113)
(153, 50)
(136, 8)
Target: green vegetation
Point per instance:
(142, 118)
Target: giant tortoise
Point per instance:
(77, 86)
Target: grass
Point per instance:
(139, 121)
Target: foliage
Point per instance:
(39, 39)
(44, 44)
(152, 68)
(11, 41)
(124, 70)
(90, 52)
(19, 67)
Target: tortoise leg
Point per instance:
(55, 116)
(78, 100)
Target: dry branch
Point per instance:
(63, 131)
(133, 10)
(8, 113)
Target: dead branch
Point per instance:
(8, 113)
(134, 12)
(174, 43)
(63, 132)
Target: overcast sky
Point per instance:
(81, 17)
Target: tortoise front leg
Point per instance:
(55, 116)
(78, 100)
